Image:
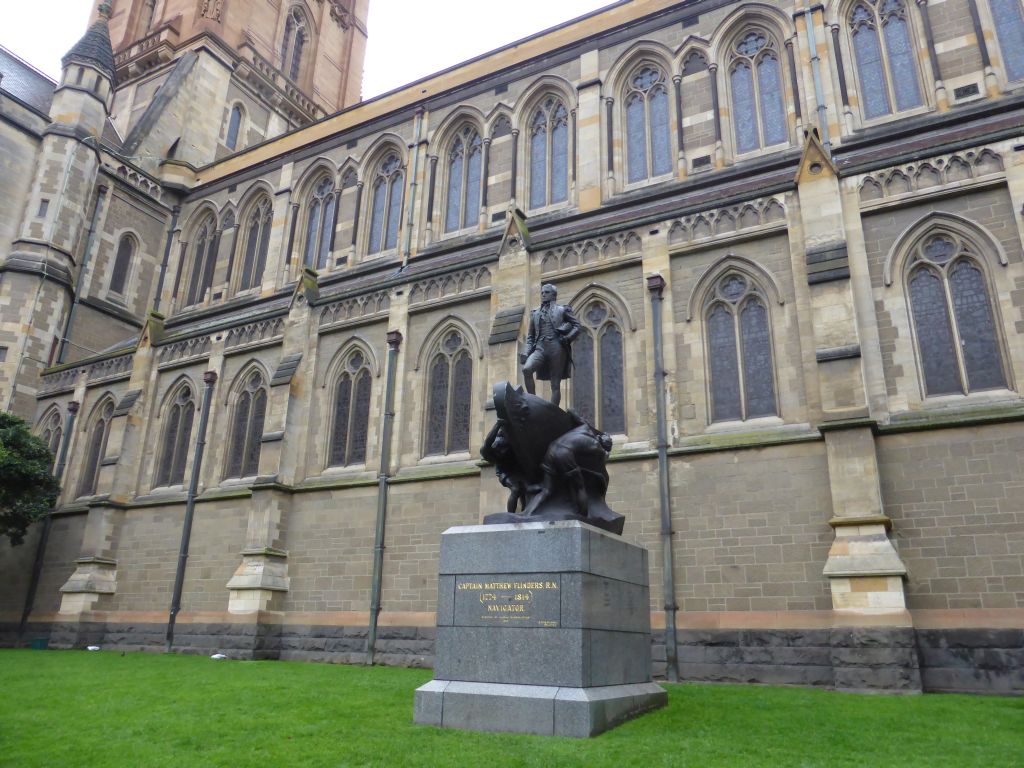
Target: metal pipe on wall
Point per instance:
(656, 286)
(819, 94)
(394, 342)
(44, 537)
(167, 256)
(209, 378)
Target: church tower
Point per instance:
(200, 79)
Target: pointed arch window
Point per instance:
(648, 147)
(386, 212)
(96, 446)
(449, 397)
(234, 126)
(351, 417)
(549, 154)
(176, 439)
(884, 57)
(204, 259)
(755, 80)
(465, 161)
(256, 244)
(598, 390)
(247, 428)
(954, 324)
(122, 264)
(739, 349)
(52, 433)
(1009, 22)
(320, 224)
(296, 36)
(145, 17)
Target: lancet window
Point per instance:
(449, 396)
(756, 85)
(386, 212)
(351, 416)
(296, 36)
(648, 147)
(247, 420)
(739, 351)
(320, 220)
(122, 264)
(954, 323)
(256, 244)
(465, 163)
(886, 63)
(598, 390)
(176, 438)
(96, 446)
(549, 154)
(204, 258)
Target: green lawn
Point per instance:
(104, 709)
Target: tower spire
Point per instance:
(94, 49)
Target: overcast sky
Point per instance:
(408, 39)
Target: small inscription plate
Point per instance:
(520, 600)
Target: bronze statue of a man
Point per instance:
(548, 352)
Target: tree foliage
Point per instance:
(28, 489)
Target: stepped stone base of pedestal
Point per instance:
(536, 709)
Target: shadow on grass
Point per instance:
(103, 709)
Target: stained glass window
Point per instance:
(598, 372)
(256, 245)
(549, 152)
(758, 92)
(648, 145)
(1009, 20)
(351, 413)
(204, 259)
(320, 224)
(234, 126)
(122, 264)
(953, 318)
(96, 446)
(177, 437)
(739, 348)
(247, 427)
(387, 205)
(449, 397)
(464, 169)
(884, 57)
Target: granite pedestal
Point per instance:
(542, 628)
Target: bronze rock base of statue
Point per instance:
(552, 462)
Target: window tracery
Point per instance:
(386, 211)
(320, 224)
(465, 162)
(756, 84)
(294, 44)
(176, 439)
(351, 412)
(953, 319)
(449, 396)
(96, 447)
(549, 154)
(247, 428)
(884, 57)
(739, 351)
(598, 389)
(648, 146)
(204, 259)
(52, 432)
(256, 244)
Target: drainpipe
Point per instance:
(44, 537)
(89, 237)
(818, 90)
(167, 257)
(209, 378)
(412, 188)
(394, 342)
(655, 286)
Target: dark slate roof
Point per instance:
(24, 82)
(94, 49)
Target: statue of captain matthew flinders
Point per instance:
(553, 327)
(552, 462)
